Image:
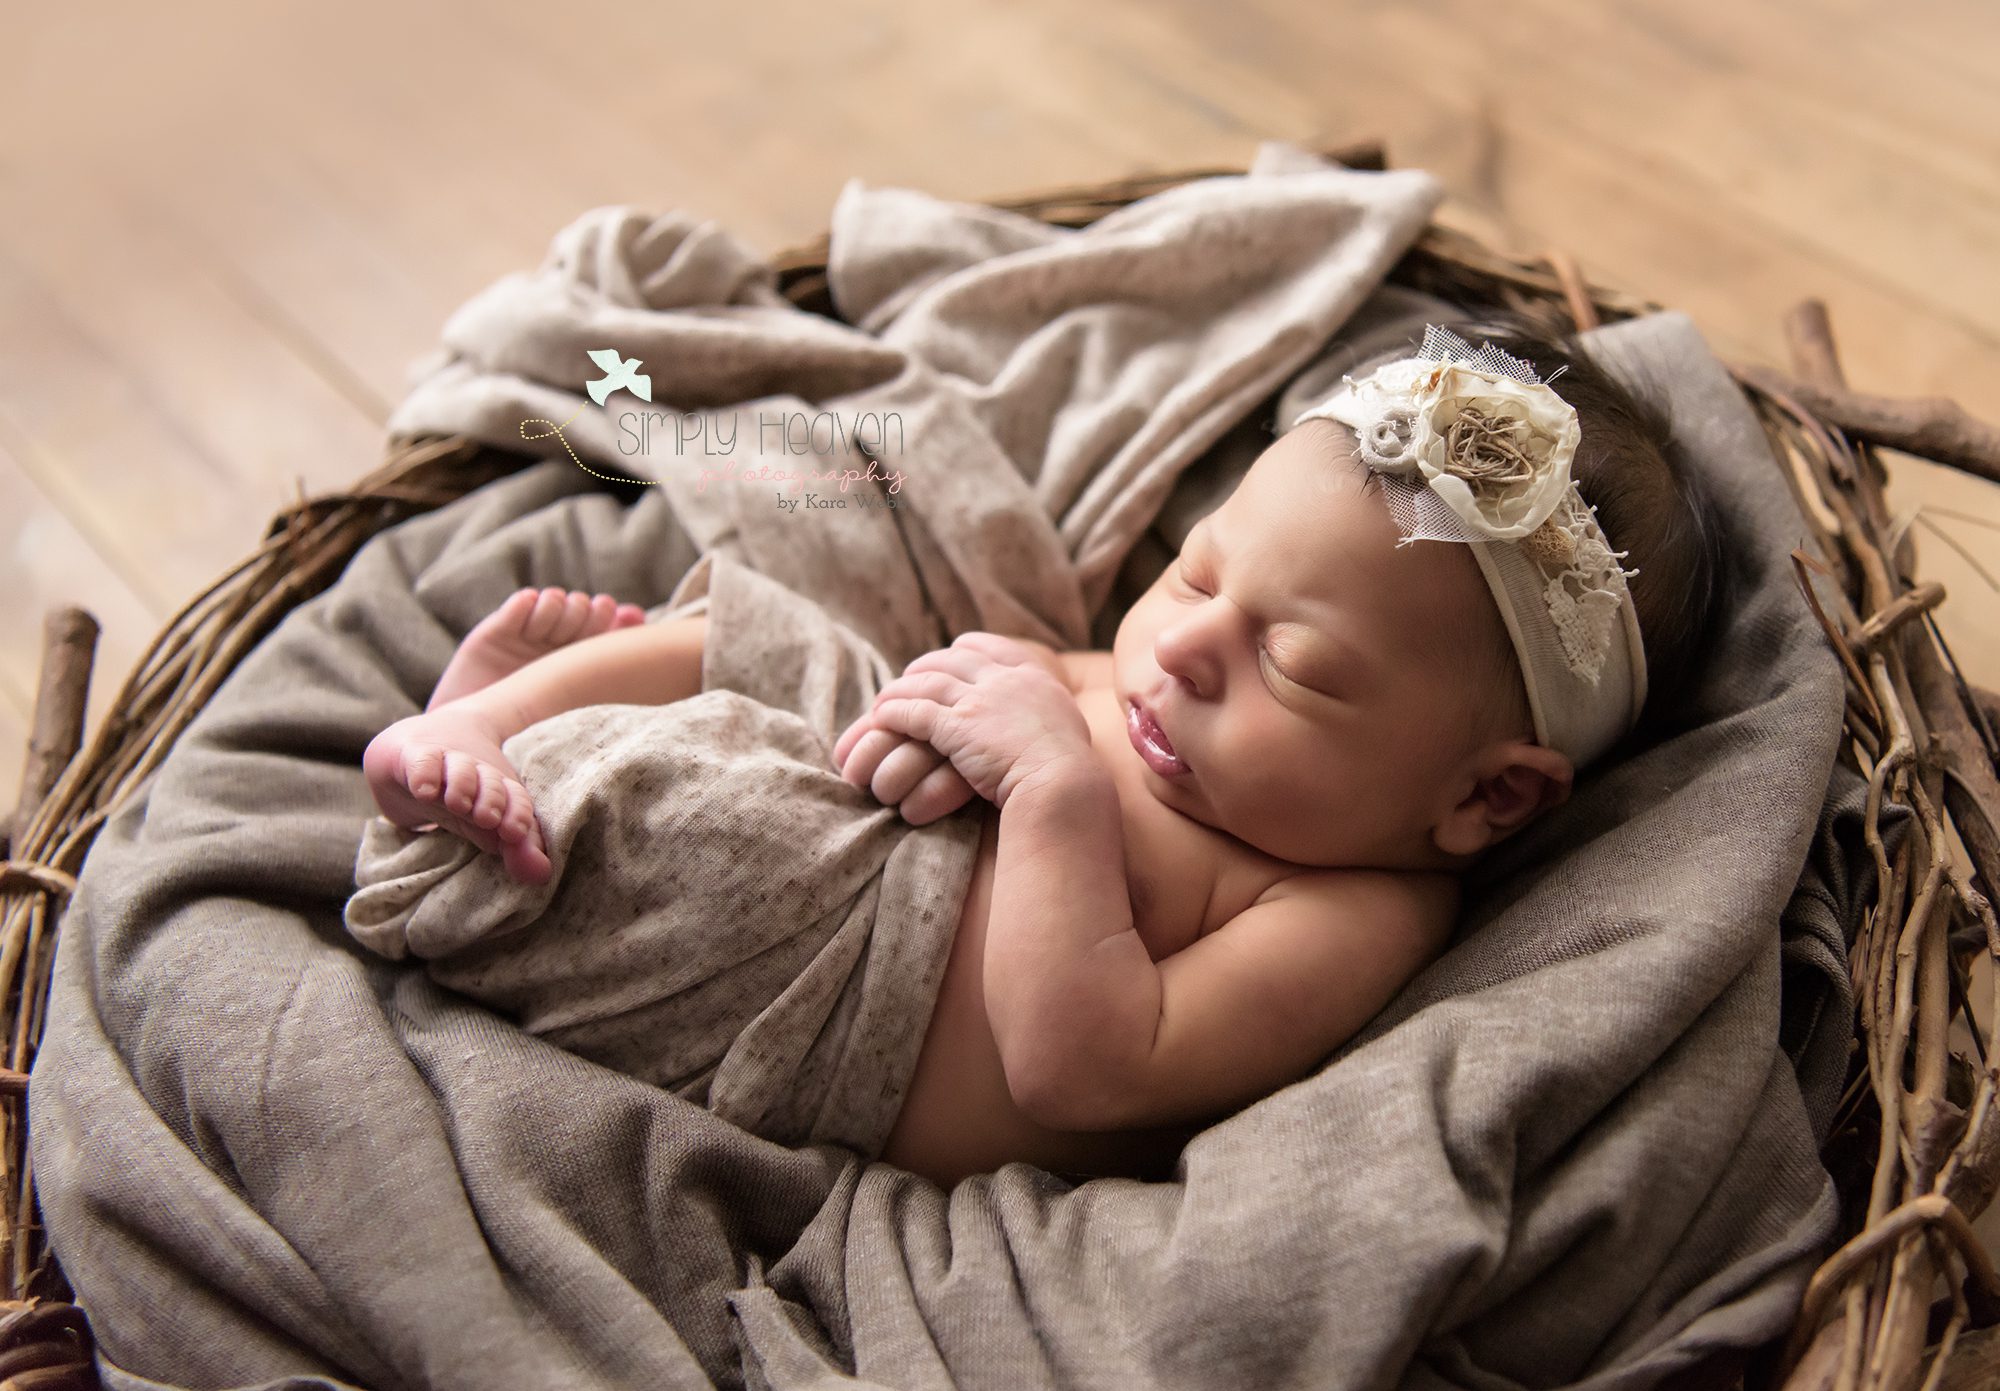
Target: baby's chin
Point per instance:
(1184, 796)
(1174, 792)
(1256, 833)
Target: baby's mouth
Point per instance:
(1152, 743)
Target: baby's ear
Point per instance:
(1514, 781)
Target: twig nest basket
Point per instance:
(1910, 1299)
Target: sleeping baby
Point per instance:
(1210, 855)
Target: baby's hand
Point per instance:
(992, 707)
(445, 766)
(902, 772)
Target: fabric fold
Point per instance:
(726, 918)
(1580, 1150)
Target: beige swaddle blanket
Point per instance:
(726, 918)
(1580, 1150)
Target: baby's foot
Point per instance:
(531, 624)
(445, 767)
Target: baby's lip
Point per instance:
(1150, 739)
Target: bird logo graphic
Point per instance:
(617, 373)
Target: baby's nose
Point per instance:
(1186, 652)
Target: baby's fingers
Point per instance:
(867, 755)
(902, 769)
(849, 737)
(996, 646)
(941, 792)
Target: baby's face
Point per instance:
(1315, 684)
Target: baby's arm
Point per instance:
(1095, 1035)
(446, 765)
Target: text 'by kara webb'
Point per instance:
(778, 432)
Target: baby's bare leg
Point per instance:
(532, 623)
(529, 624)
(446, 767)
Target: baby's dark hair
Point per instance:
(1651, 502)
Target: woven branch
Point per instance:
(1935, 427)
(1866, 1320)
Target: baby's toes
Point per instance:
(513, 613)
(546, 616)
(574, 621)
(598, 612)
(489, 806)
(627, 616)
(526, 861)
(519, 816)
(461, 783)
(424, 772)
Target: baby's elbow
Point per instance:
(1066, 1101)
(1032, 1096)
(1046, 1097)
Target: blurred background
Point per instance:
(230, 229)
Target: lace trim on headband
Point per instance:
(1582, 605)
(1569, 551)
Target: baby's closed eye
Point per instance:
(1282, 651)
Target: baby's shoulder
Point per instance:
(1417, 909)
(1086, 671)
(1319, 954)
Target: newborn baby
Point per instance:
(1210, 855)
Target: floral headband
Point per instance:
(1474, 447)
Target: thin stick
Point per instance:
(69, 641)
(1931, 427)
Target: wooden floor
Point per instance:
(229, 229)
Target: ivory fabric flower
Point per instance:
(1382, 411)
(1495, 450)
